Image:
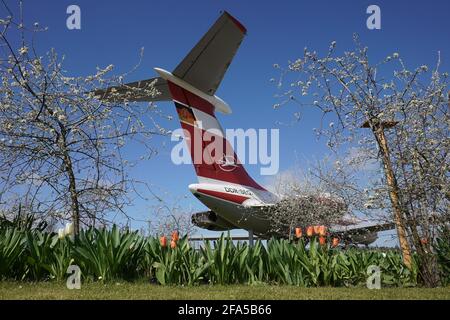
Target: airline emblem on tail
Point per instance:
(227, 163)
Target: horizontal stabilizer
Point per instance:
(154, 89)
(202, 69)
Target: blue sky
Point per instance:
(112, 32)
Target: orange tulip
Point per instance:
(298, 232)
(316, 229)
(173, 244)
(310, 231)
(335, 242)
(322, 231)
(322, 240)
(175, 236)
(163, 241)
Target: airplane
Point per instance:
(234, 199)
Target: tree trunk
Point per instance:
(394, 194)
(428, 267)
(68, 167)
(429, 270)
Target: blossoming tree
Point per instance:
(61, 149)
(405, 114)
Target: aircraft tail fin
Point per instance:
(192, 86)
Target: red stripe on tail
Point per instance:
(224, 167)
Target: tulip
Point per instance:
(61, 233)
(163, 241)
(424, 241)
(173, 244)
(316, 229)
(322, 231)
(335, 242)
(310, 231)
(68, 230)
(322, 240)
(175, 236)
(298, 232)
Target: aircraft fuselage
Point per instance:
(236, 204)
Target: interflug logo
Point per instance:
(212, 147)
(227, 163)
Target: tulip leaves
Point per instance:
(109, 254)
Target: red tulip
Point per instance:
(163, 241)
(173, 244)
(322, 231)
(322, 240)
(335, 242)
(310, 231)
(298, 232)
(424, 241)
(175, 236)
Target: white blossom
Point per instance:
(23, 50)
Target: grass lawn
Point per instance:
(139, 290)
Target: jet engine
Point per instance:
(211, 221)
